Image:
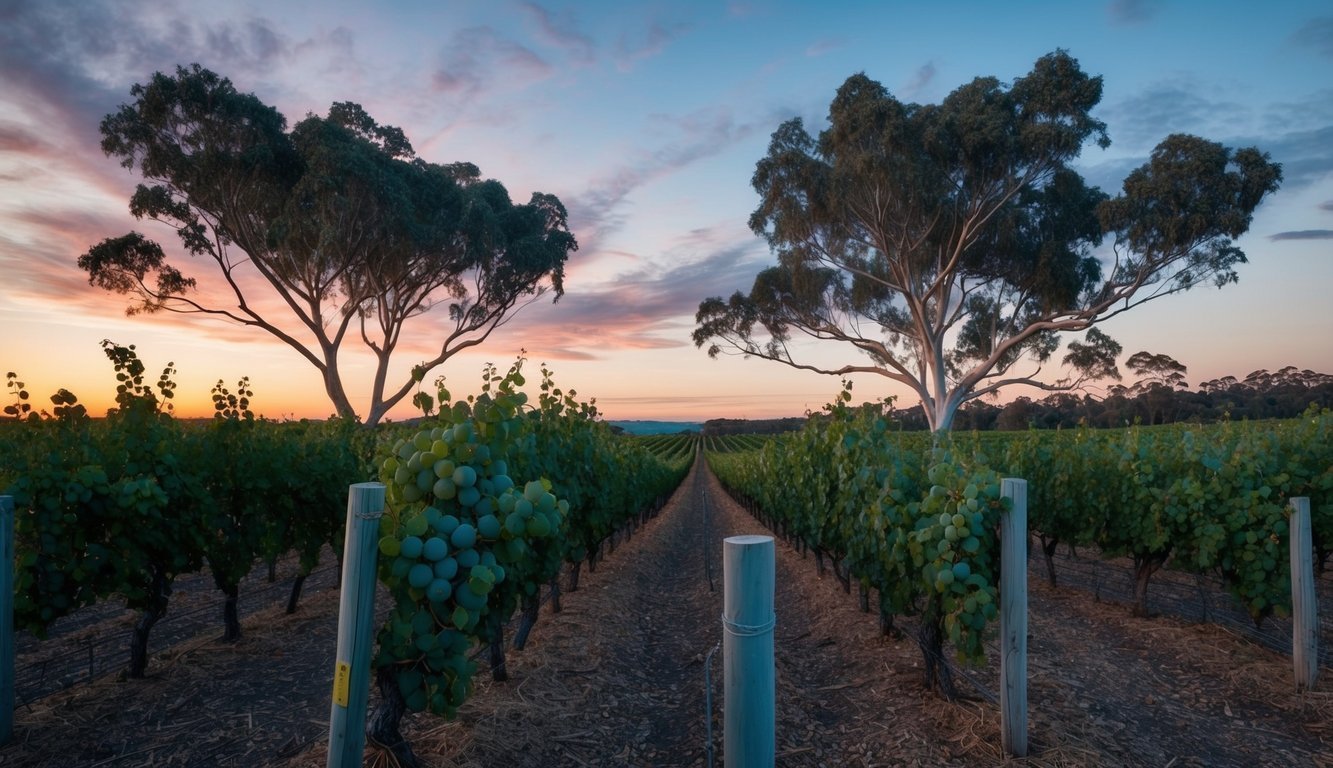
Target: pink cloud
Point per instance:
(561, 31)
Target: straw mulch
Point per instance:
(617, 679)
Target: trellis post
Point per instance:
(356, 617)
(7, 619)
(1014, 618)
(1304, 602)
(749, 714)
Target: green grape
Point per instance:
(416, 525)
(446, 568)
(465, 476)
(467, 558)
(439, 590)
(546, 504)
(533, 491)
(468, 497)
(488, 527)
(434, 549)
(464, 536)
(539, 527)
(473, 598)
(411, 547)
(420, 576)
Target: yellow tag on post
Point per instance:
(342, 678)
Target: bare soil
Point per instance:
(618, 679)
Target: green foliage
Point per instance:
(914, 522)
(99, 505)
(1208, 499)
(118, 507)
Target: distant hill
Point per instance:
(656, 427)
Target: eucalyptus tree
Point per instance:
(331, 230)
(952, 243)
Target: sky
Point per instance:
(646, 120)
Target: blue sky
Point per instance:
(646, 120)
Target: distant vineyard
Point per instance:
(671, 448)
(734, 443)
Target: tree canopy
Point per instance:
(952, 243)
(351, 231)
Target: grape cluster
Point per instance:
(461, 542)
(953, 547)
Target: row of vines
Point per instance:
(486, 502)
(120, 507)
(671, 448)
(731, 443)
(917, 525)
(912, 515)
(1206, 499)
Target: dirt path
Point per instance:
(617, 678)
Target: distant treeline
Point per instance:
(1281, 394)
(1262, 394)
(719, 427)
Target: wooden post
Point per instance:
(749, 713)
(356, 618)
(7, 619)
(1014, 619)
(1304, 602)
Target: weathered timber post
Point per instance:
(1304, 602)
(749, 714)
(356, 618)
(1014, 619)
(7, 619)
